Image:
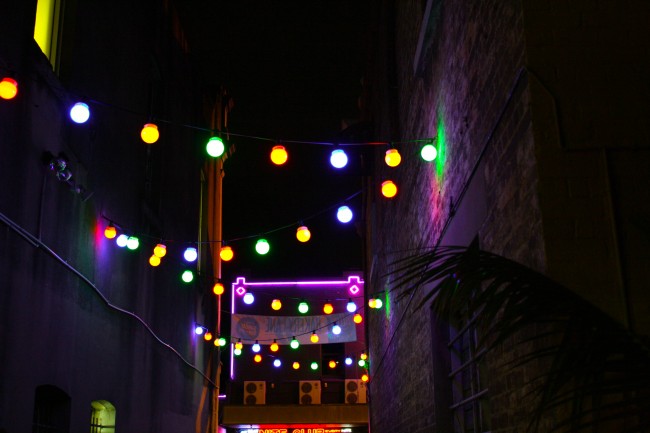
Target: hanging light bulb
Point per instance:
(362, 363)
(262, 247)
(365, 378)
(132, 243)
(388, 189)
(363, 356)
(154, 260)
(8, 88)
(222, 341)
(257, 358)
(236, 352)
(336, 329)
(372, 302)
(393, 158)
(218, 288)
(351, 307)
(80, 113)
(277, 363)
(110, 231)
(332, 364)
(187, 276)
(328, 308)
(276, 304)
(358, 318)
(378, 303)
(348, 360)
(226, 254)
(207, 336)
(303, 234)
(199, 330)
(294, 343)
(215, 147)
(338, 158)
(190, 254)
(239, 344)
(279, 155)
(303, 307)
(314, 365)
(429, 152)
(296, 365)
(274, 346)
(160, 250)
(314, 337)
(150, 133)
(121, 240)
(249, 298)
(344, 214)
(256, 347)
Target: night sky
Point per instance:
(293, 70)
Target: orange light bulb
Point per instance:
(8, 88)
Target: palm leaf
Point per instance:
(598, 371)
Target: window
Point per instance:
(51, 410)
(470, 408)
(102, 418)
(47, 28)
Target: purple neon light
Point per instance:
(353, 284)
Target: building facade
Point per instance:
(93, 337)
(536, 111)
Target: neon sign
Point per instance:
(297, 430)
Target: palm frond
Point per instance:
(598, 371)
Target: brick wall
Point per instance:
(473, 96)
(537, 107)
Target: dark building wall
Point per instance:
(55, 329)
(505, 88)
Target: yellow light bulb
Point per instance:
(276, 304)
(207, 336)
(358, 318)
(110, 232)
(239, 345)
(388, 189)
(258, 358)
(332, 364)
(393, 158)
(274, 347)
(226, 254)
(303, 234)
(314, 338)
(150, 133)
(8, 88)
(154, 261)
(218, 289)
(279, 155)
(328, 308)
(365, 378)
(296, 365)
(160, 250)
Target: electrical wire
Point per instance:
(37, 243)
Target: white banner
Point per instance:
(265, 329)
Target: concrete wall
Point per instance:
(55, 328)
